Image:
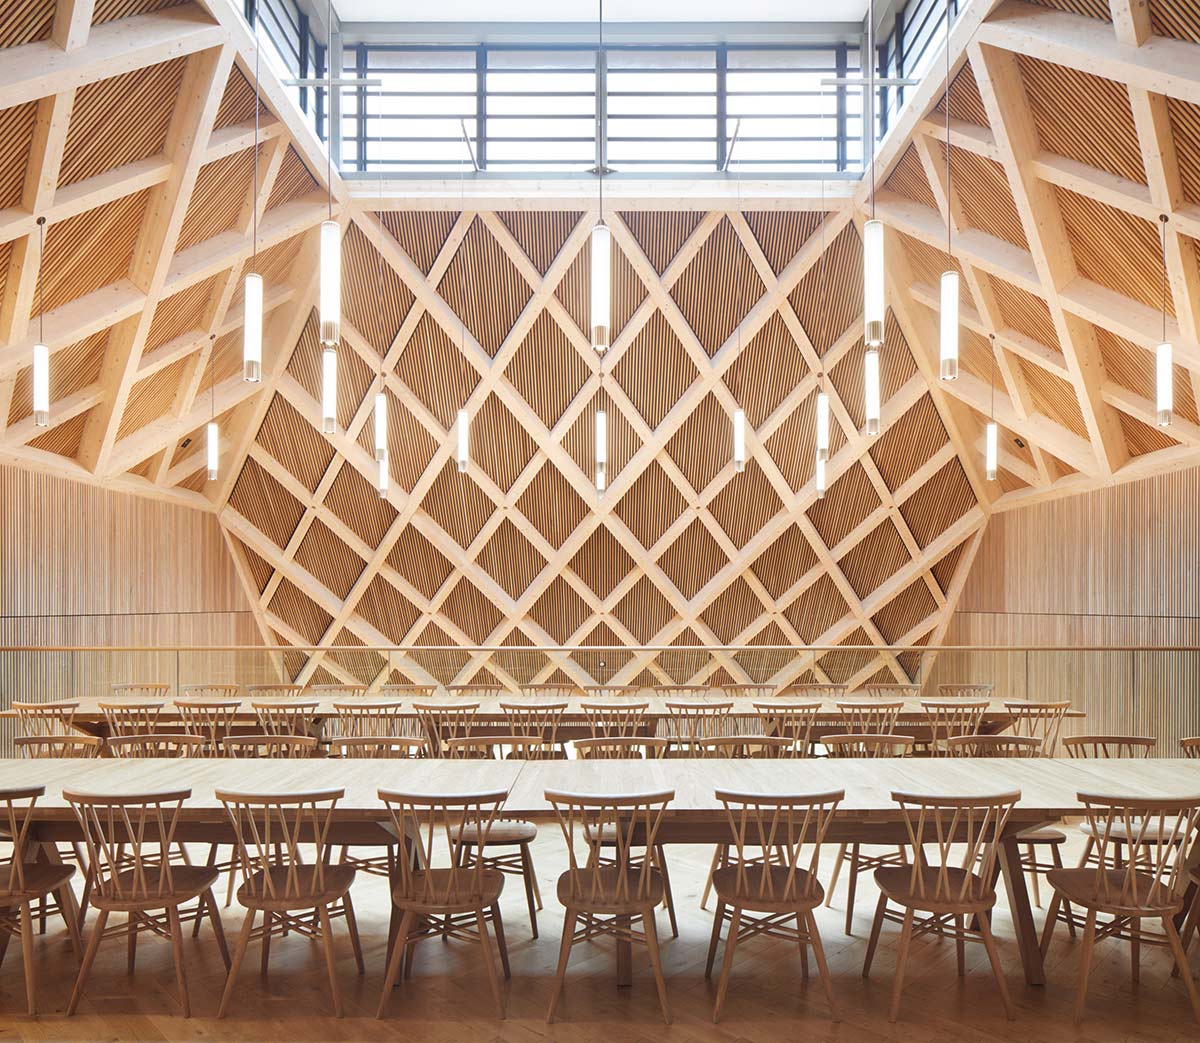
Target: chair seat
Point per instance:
(601, 891)
(430, 891)
(756, 895)
(1042, 836)
(295, 887)
(187, 882)
(898, 884)
(1120, 833)
(1086, 887)
(41, 878)
(502, 831)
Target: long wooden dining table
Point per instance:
(867, 814)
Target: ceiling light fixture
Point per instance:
(949, 302)
(601, 451)
(822, 426)
(1164, 363)
(739, 440)
(41, 353)
(873, 306)
(601, 241)
(820, 479)
(381, 404)
(823, 346)
(464, 440)
(992, 433)
(871, 390)
(252, 291)
(331, 261)
(329, 377)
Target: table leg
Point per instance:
(1022, 914)
(624, 953)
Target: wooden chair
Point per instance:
(157, 744)
(83, 747)
(43, 719)
(976, 691)
(280, 882)
(868, 717)
(210, 719)
(537, 719)
(948, 886)
(950, 717)
(555, 691)
(504, 832)
(409, 725)
(893, 692)
(206, 693)
(126, 836)
(130, 717)
(690, 721)
(605, 896)
(864, 746)
(24, 881)
(282, 746)
(742, 746)
(451, 719)
(365, 718)
(293, 716)
(1135, 879)
(807, 692)
(1093, 746)
(618, 718)
(614, 691)
(993, 746)
(746, 691)
(457, 900)
(140, 691)
(338, 692)
(274, 691)
(1190, 747)
(622, 747)
(480, 690)
(790, 719)
(767, 878)
(383, 747)
(1040, 720)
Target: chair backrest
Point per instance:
(536, 719)
(621, 747)
(480, 690)
(210, 692)
(407, 691)
(389, 747)
(452, 719)
(126, 837)
(1041, 720)
(863, 744)
(270, 830)
(210, 719)
(1109, 745)
(552, 690)
(275, 691)
(683, 692)
(742, 746)
(157, 744)
(58, 746)
(829, 692)
(15, 807)
(285, 716)
(746, 691)
(771, 832)
(947, 717)
(994, 746)
(337, 692)
(954, 833)
(616, 719)
(688, 721)
(52, 718)
(614, 691)
(494, 747)
(792, 719)
(149, 691)
(966, 690)
(1191, 747)
(283, 746)
(1151, 842)
(130, 716)
(373, 718)
(435, 827)
(628, 823)
(870, 716)
(892, 691)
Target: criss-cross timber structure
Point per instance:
(1073, 125)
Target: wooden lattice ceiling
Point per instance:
(128, 124)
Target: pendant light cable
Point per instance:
(1163, 223)
(946, 103)
(871, 95)
(329, 106)
(41, 223)
(257, 109)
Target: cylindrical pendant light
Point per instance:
(41, 353)
(382, 484)
(1164, 362)
(820, 478)
(381, 426)
(739, 440)
(213, 450)
(601, 450)
(331, 283)
(252, 326)
(601, 290)
(990, 450)
(949, 324)
(328, 390)
(873, 283)
(871, 390)
(464, 440)
(822, 426)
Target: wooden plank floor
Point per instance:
(447, 1000)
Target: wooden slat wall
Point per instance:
(81, 565)
(1111, 568)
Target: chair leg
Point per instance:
(85, 897)
(1033, 874)
(352, 928)
(1085, 964)
(715, 939)
(235, 863)
(89, 957)
(851, 887)
(397, 958)
(660, 857)
(264, 957)
(208, 901)
(727, 963)
(989, 943)
(239, 954)
(876, 926)
(27, 957)
(489, 963)
(960, 944)
(901, 961)
(833, 878)
(501, 943)
(529, 877)
(800, 933)
(1181, 963)
(1135, 951)
(712, 868)
(210, 862)
(814, 939)
(330, 959)
(1051, 920)
(66, 909)
(564, 954)
(131, 943)
(177, 953)
(651, 930)
(1056, 858)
